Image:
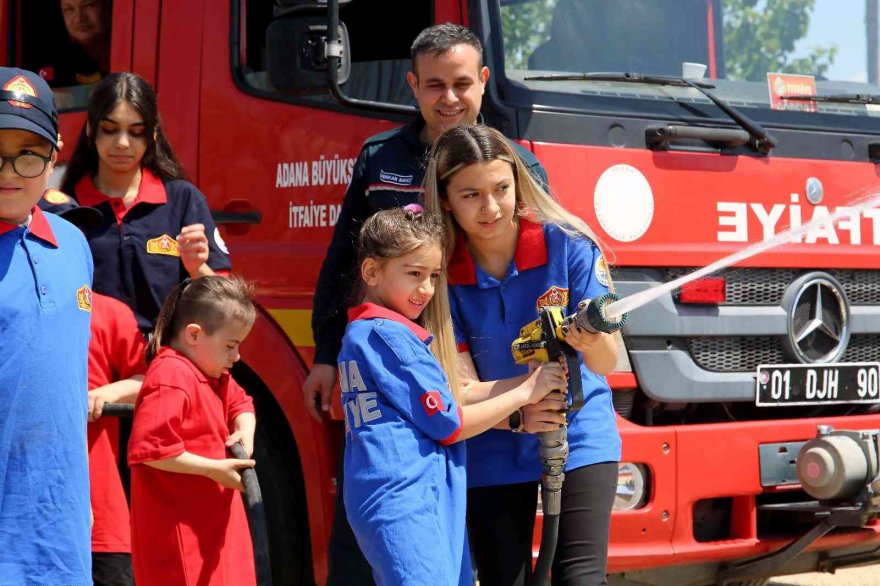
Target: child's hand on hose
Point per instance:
(545, 415)
(226, 472)
(247, 441)
(544, 379)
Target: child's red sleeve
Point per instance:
(155, 432)
(239, 401)
(130, 347)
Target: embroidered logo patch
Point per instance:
(20, 85)
(84, 298)
(432, 402)
(163, 244)
(554, 296)
(601, 271)
(55, 197)
(395, 179)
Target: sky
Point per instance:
(842, 23)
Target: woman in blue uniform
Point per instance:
(514, 249)
(404, 474)
(157, 227)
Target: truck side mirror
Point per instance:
(295, 53)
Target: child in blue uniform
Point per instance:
(404, 487)
(514, 249)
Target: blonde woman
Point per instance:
(514, 249)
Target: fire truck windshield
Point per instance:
(756, 53)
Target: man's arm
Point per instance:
(336, 283)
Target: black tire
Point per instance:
(756, 582)
(281, 483)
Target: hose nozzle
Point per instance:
(592, 316)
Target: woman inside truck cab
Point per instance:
(157, 227)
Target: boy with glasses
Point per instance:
(45, 309)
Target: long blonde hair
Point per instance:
(462, 146)
(395, 232)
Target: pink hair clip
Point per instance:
(414, 208)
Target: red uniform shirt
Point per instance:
(186, 529)
(116, 352)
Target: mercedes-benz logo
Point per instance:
(818, 319)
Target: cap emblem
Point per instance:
(20, 85)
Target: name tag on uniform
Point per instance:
(163, 244)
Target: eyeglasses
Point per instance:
(27, 165)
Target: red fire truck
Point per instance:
(682, 131)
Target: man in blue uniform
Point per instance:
(448, 79)
(45, 308)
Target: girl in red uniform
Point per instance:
(187, 521)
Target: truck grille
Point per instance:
(766, 286)
(744, 354)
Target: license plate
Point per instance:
(817, 384)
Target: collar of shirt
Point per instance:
(531, 252)
(151, 190)
(412, 133)
(38, 226)
(373, 311)
(169, 353)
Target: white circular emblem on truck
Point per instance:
(624, 203)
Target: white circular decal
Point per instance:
(219, 241)
(624, 203)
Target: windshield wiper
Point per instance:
(763, 140)
(838, 98)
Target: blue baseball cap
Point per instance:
(58, 203)
(27, 103)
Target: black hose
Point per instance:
(256, 513)
(253, 500)
(549, 536)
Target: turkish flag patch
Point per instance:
(432, 402)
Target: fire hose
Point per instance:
(543, 340)
(253, 500)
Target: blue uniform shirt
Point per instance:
(135, 251)
(405, 482)
(548, 268)
(45, 309)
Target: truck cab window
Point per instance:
(379, 49)
(68, 43)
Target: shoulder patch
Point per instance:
(55, 197)
(218, 240)
(601, 270)
(163, 244)
(84, 298)
(432, 402)
(554, 296)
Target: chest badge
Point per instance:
(553, 296)
(84, 298)
(55, 197)
(163, 244)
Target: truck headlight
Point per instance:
(633, 486)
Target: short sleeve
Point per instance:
(155, 432)
(237, 400)
(588, 272)
(197, 212)
(417, 388)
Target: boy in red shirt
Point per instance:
(188, 522)
(116, 367)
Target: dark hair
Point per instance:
(207, 301)
(134, 90)
(438, 39)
